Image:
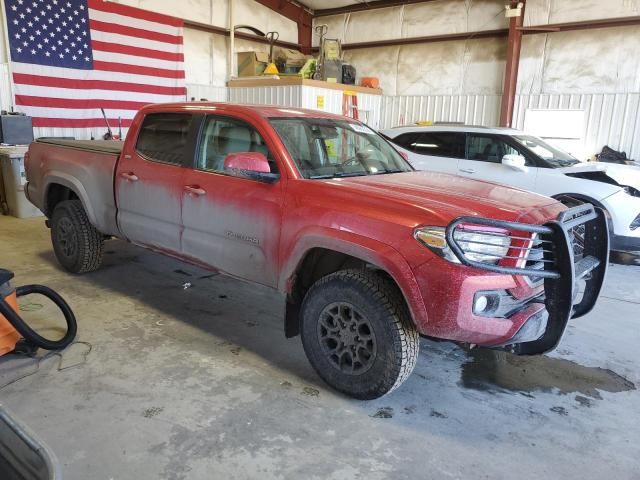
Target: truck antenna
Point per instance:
(120, 127)
(109, 134)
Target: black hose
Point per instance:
(27, 332)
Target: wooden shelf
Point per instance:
(297, 81)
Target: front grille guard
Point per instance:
(562, 268)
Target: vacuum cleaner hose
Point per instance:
(27, 332)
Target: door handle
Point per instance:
(132, 177)
(467, 170)
(194, 190)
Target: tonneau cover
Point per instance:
(102, 146)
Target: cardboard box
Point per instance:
(251, 64)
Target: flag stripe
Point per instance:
(140, 52)
(74, 113)
(79, 123)
(166, 65)
(60, 73)
(125, 68)
(88, 94)
(34, 101)
(135, 41)
(126, 21)
(96, 85)
(134, 32)
(135, 12)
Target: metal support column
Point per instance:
(511, 69)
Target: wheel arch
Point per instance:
(317, 255)
(60, 187)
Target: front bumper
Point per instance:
(544, 307)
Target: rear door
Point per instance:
(231, 223)
(150, 177)
(483, 161)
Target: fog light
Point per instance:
(480, 304)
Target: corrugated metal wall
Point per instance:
(468, 109)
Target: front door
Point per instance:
(149, 180)
(231, 223)
(484, 162)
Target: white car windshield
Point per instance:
(555, 157)
(327, 148)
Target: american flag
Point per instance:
(72, 57)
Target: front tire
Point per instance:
(77, 244)
(358, 334)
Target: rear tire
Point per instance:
(77, 244)
(358, 334)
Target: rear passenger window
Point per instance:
(440, 144)
(437, 144)
(163, 137)
(222, 136)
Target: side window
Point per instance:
(440, 144)
(163, 137)
(405, 140)
(488, 149)
(222, 136)
(437, 144)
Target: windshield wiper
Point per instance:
(338, 175)
(392, 170)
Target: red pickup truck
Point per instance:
(368, 253)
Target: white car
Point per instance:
(514, 158)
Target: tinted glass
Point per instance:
(326, 148)
(437, 144)
(222, 136)
(163, 137)
(488, 148)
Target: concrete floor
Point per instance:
(200, 383)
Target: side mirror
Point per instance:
(251, 165)
(517, 162)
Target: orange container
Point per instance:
(8, 335)
(371, 82)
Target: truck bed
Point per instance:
(113, 147)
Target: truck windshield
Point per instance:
(327, 148)
(553, 156)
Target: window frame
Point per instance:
(190, 143)
(530, 159)
(193, 165)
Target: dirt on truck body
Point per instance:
(368, 253)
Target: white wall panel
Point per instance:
(211, 92)
(588, 61)
(540, 12)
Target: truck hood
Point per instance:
(447, 196)
(613, 173)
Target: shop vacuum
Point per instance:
(14, 331)
(22, 455)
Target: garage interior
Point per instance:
(178, 372)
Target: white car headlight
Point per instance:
(477, 246)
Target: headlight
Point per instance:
(634, 192)
(477, 246)
(635, 224)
